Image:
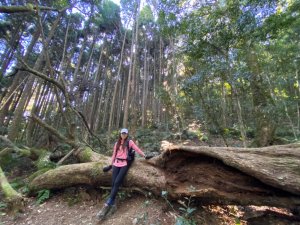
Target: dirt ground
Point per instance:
(78, 206)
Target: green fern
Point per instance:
(43, 195)
(3, 205)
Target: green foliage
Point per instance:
(146, 15)
(45, 164)
(25, 189)
(8, 161)
(42, 196)
(17, 183)
(122, 195)
(186, 210)
(149, 139)
(237, 221)
(60, 3)
(183, 221)
(108, 18)
(3, 205)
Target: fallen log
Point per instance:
(213, 175)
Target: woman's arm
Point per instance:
(136, 148)
(114, 154)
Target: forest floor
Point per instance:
(79, 205)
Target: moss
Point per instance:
(96, 169)
(7, 189)
(37, 173)
(25, 152)
(86, 155)
(9, 192)
(44, 161)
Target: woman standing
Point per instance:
(120, 168)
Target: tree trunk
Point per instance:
(107, 92)
(95, 97)
(16, 84)
(265, 127)
(214, 175)
(14, 199)
(35, 110)
(116, 88)
(145, 91)
(131, 74)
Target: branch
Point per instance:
(41, 75)
(87, 126)
(53, 131)
(10, 144)
(6, 151)
(65, 157)
(11, 147)
(25, 9)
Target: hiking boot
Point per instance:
(112, 210)
(102, 213)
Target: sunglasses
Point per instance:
(123, 133)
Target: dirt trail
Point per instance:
(77, 207)
(63, 209)
(57, 210)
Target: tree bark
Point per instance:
(14, 199)
(131, 74)
(116, 88)
(213, 175)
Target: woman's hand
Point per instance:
(107, 168)
(148, 157)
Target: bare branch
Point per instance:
(9, 143)
(80, 115)
(55, 132)
(65, 157)
(41, 75)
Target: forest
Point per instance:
(210, 89)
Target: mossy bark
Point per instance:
(12, 197)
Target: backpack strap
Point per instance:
(130, 152)
(127, 143)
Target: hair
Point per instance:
(119, 142)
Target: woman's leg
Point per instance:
(115, 173)
(118, 176)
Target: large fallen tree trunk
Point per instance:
(214, 175)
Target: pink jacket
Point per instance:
(122, 154)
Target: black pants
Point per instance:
(118, 176)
